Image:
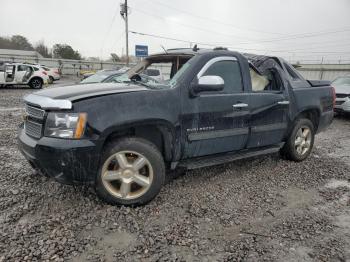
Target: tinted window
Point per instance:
(22, 68)
(230, 72)
(36, 69)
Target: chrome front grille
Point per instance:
(35, 112)
(33, 124)
(33, 129)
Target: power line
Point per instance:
(253, 41)
(287, 37)
(214, 20)
(110, 27)
(190, 26)
(234, 47)
(297, 36)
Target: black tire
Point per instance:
(289, 150)
(144, 148)
(36, 83)
(51, 80)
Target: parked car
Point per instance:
(219, 106)
(86, 73)
(342, 90)
(53, 73)
(99, 76)
(23, 74)
(155, 74)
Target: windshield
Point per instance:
(98, 77)
(179, 73)
(169, 68)
(342, 81)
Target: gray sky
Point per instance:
(294, 29)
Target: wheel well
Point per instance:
(152, 133)
(312, 114)
(36, 77)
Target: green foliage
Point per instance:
(65, 51)
(42, 49)
(16, 42)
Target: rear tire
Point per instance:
(132, 172)
(36, 83)
(300, 142)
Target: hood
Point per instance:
(76, 92)
(342, 89)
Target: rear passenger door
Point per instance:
(20, 74)
(269, 111)
(217, 122)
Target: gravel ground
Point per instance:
(264, 209)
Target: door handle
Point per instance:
(240, 105)
(285, 102)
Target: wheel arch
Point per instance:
(160, 132)
(36, 77)
(313, 114)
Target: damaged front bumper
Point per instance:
(67, 161)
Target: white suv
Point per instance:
(23, 74)
(53, 73)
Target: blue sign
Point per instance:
(141, 50)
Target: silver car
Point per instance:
(342, 90)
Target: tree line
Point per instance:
(19, 42)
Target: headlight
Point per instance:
(65, 125)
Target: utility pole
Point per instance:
(124, 14)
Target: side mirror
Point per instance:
(208, 83)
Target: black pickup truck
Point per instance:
(217, 106)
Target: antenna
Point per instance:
(164, 49)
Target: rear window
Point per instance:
(152, 72)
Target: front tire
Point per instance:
(51, 79)
(132, 172)
(300, 142)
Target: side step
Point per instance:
(227, 157)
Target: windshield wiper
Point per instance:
(137, 82)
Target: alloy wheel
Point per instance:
(303, 140)
(127, 175)
(36, 83)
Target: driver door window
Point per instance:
(230, 72)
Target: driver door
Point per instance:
(217, 121)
